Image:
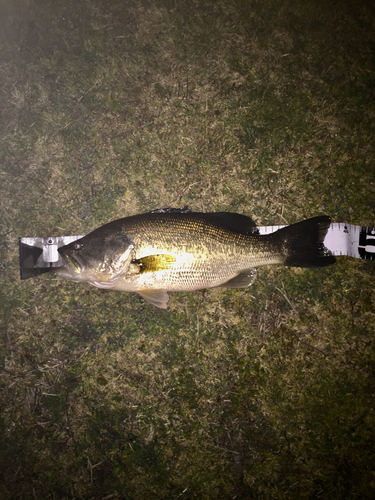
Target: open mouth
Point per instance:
(77, 263)
(73, 263)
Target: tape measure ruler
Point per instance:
(38, 255)
(344, 239)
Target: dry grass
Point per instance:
(110, 109)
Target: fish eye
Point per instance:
(78, 246)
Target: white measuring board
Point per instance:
(344, 239)
(38, 255)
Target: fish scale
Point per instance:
(207, 255)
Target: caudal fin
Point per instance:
(303, 243)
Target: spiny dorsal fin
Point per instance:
(170, 210)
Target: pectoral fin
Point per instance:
(246, 278)
(158, 298)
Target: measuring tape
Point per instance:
(344, 239)
(38, 255)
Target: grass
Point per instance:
(107, 110)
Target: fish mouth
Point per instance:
(77, 263)
(73, 263)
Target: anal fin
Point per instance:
(242, 280)
(158, 298)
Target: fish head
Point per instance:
(100, 258)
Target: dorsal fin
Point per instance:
(236, 222)
(170, 210)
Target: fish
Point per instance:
(177, 250)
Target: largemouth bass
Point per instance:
(178, 250)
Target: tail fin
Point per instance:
(303, 243)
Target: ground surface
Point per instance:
(108, 109)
